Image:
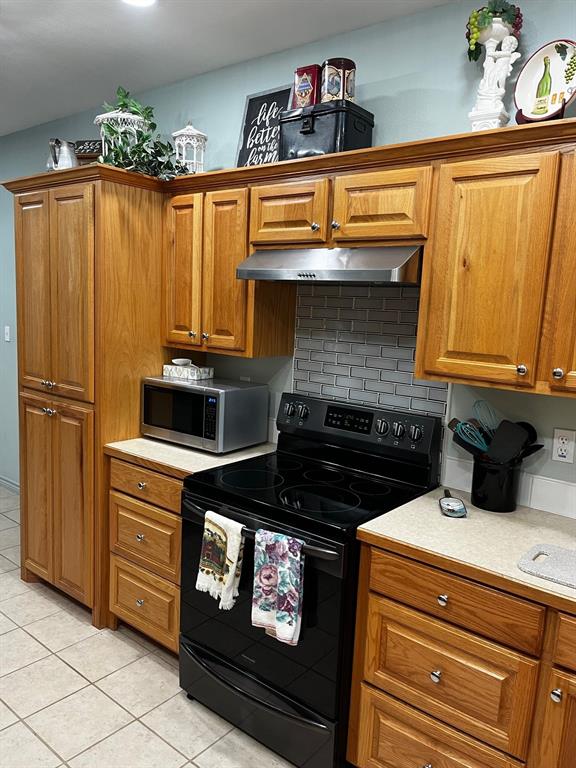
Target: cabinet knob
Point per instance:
(314, 226)
(192, 334)
(49, 384)
(43, 382)
(442, 600)
(556, 695)
(428, 765)
(558, 373)
(436, 676)
(45, 411)
(335, 225)
(140, 602)
(205, 336)
(521, 369)
(139, 537)
(141, 485)
(50, 411)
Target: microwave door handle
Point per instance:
(250, 533)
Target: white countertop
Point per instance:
(491, 541)
(185, 459)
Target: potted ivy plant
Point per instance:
(495, 20)
(127, 129)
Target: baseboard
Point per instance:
(536, 491)
(10, 484)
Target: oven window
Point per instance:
(175, 410)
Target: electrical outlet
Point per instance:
(6, 333)
(563, 445)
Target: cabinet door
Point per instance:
(561, 300)
(372, 206)
(73, 477)
(485, 272)
(72, 292)
(32, 225)
(225, 247)
(290, 213)
(554, 744)
(36, 484)
(183, 270)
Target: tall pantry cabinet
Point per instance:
(88, 280)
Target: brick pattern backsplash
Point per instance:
(356, 343)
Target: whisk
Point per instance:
(486, 416)
(471, 435)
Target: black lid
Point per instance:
(328, 107)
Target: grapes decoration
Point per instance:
(482, 18)
(570, 70)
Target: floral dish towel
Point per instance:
(221, 559)
(278, 585)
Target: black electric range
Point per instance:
(336, 467)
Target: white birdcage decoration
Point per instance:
(190, 145)
(125, 122)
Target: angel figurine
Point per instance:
(489, 111)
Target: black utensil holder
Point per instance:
(495, 486)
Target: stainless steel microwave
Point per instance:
(210, 414)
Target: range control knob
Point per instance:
(289, 409)
(382, 426)
(415, 433)
(398, 430)
(303, 411)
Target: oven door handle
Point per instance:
(250, 696)
(250, 533)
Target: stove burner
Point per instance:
(252, 480)
(324, 475)
(283, 465)
(323, 499)
(370, 488)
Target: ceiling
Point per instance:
(59, 57)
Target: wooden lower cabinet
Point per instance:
(146, 485)
(145, 601)
(565, 649)
(394, 735)
(554, 741)
(57, 466)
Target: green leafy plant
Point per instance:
(138, 150)
(482, 18)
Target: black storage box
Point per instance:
(335, 126)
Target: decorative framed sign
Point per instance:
(547, 82)
(260, 133)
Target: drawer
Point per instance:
(483, 610)
(481, 688)
(145, 601)
(145, 535)
(393, 735)
(384, 204)
(565, 651)
(146, 485)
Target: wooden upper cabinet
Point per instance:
(560, 364)
(183, 270)
(73, 488)
(36, 484)
(486, 268)
(225, 297)
(72, 290)
(290, 213)
(554, 738)
(384, 204)
(32, 225)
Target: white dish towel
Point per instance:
(220, 559)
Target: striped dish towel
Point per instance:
(278, 585)
(220, 559)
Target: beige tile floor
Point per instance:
(72, 695)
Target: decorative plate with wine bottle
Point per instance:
(547, 82)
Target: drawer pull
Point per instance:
(428, 765)
(314, 226)
(140, 602)
(556, 695)
(141, 485)
(442, 600)
(436, 676)
(139, 537)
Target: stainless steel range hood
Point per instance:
(390, 264)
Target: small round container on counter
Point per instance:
(338, 80)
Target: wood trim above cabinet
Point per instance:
(383, 204)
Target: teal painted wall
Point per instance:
(413, 75)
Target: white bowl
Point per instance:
(182, 361)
